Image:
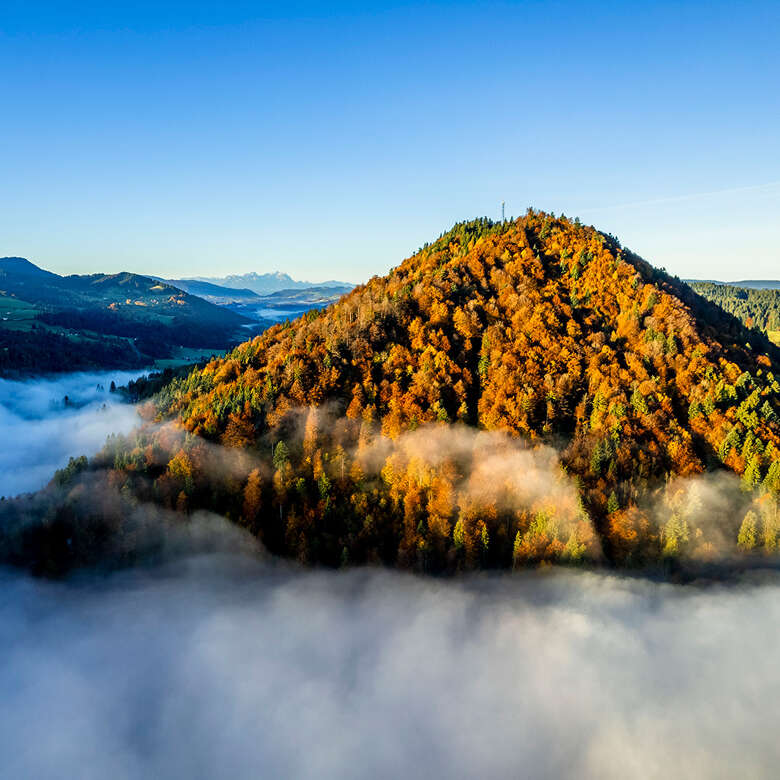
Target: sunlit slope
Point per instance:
(542, 328)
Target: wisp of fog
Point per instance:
(231, 665)
(40, 432)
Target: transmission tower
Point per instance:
(503, 219)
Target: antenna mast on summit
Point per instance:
(503, 219)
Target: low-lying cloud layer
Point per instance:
(40, 433)
(227, 665)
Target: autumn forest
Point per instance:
(513, 394)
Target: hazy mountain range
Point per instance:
(215, 293)
(263, 291)
(52, 323)
(57, 323)
(266, 283)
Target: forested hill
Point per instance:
(64, 323)
(542, 327)
(513, 392)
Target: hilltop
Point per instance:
(513, 392)
(20, 268)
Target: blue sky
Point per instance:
(330, 141)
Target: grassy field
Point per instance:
(16, 314)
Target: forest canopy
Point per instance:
(755, 308)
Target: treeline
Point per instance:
(754, 308)
(153, 384)
(155, 336)
(97, 340)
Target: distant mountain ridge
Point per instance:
(59, 323)
(77, 290)
(748, 284)
(215, 293)
(276, 304)
(22, 267)
(266, 283)
(319, 292)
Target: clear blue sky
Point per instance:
(331, 140)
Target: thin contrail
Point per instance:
(678, 198)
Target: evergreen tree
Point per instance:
(748, 532)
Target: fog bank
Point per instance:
(40, 433)
(223, 665)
